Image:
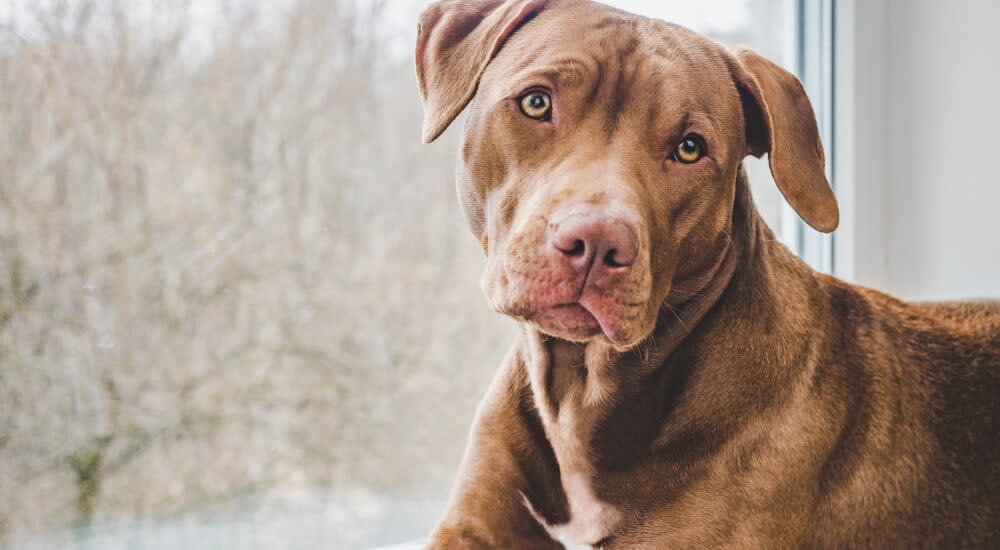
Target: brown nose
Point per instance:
(593, 243)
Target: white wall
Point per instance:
(918, 143)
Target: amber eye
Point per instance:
(536, 105)
(689, 150)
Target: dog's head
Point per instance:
(601, 154)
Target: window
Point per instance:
(228, 317)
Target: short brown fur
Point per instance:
(738, 399)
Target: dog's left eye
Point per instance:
(536, 105)
(689, 150)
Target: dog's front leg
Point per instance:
(508, 475)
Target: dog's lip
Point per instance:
(569, 310)
(578, 321)
(570, 319)
(607, 322)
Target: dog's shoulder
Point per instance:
(944, 355)
(925, 380)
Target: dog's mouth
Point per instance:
(574, 321)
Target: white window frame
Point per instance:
(813, 60)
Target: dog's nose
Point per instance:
(591, 242)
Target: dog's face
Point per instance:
(601, 155)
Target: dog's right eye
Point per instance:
(536, 105)
(689, 150)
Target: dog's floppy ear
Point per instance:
(781, 123)
(456, 39)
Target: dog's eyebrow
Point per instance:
(564, 71)
(699, 121)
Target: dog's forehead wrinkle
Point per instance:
(563, 72)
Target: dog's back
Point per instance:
(979, 318)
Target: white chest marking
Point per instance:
(590, 518)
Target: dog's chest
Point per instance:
(569, 416)
(590, 518)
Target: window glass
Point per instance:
(239, 305)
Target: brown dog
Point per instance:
(681, 380)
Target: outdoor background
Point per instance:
(239, 306)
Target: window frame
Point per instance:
(814, 62)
